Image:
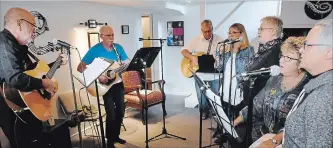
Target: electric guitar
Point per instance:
(39, 102)
(113, 73)
(186, 65)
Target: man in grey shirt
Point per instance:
(309, 123)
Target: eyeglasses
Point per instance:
(234, 32)
(287, 59)
(108, 35)
(306, 44)
(261, 29)
(33, 25)
(207, 31)
(28, 22)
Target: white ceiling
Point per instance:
(166, 7)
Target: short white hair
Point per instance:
(325, 33)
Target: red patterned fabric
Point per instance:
(152, 97)
(131, 80)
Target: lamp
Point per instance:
(91, 23)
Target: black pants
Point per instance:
(30, 134)
(115, 109)
(232, 113)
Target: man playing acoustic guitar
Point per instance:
(19, 29)
(204, 44)
(114, 98)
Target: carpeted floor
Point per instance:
(180, 121)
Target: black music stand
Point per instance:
(214, 99)
(143, 59)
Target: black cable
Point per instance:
(15, 131)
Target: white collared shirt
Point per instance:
(200, 44)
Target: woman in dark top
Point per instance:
(269, 38)
(272, 104)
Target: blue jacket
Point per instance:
(242, 59)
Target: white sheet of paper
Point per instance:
(94, 70)
(212, 97)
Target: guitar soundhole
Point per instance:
(111, 81)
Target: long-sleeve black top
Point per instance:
(14, 60)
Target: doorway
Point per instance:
(147, 31)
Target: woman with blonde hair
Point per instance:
(233, 60)
(273, 103)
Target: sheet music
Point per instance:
(93, 71)
(213, 100)
(212, 97)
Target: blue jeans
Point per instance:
(214, 85)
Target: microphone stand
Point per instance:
(73, 88)
(250, 111)
(164, 131)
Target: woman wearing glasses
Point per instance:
(235, 60)
(272, 104)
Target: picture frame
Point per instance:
(125, 29)
(175, 31)
(93, 39)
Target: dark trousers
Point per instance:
(30, 134)
(232, 113)
(115, 109)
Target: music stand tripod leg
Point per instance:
(100, 117)
(164, 130)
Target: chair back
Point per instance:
(131, 80)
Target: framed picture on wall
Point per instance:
(124, 29)
(175, 30)
(93, 39)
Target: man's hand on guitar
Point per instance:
(49, 86)
(64, 58)
(103, 79)
(194, 60)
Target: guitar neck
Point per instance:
(54, 68)
(121, 68)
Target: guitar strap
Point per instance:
(33, 56)
(119, 59)
(210, 44)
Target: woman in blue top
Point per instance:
(233, 60)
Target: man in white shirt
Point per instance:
(206, 42)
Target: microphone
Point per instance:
(230, 41)
(61, 43)
(273, 70)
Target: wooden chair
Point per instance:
(135, 95)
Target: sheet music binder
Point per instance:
(206, 64)
(93, 71)
(146, 54)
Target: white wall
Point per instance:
(63, 19)
(293, 15)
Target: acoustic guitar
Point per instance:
(187, 66)
(113, 73)
(39, 102)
